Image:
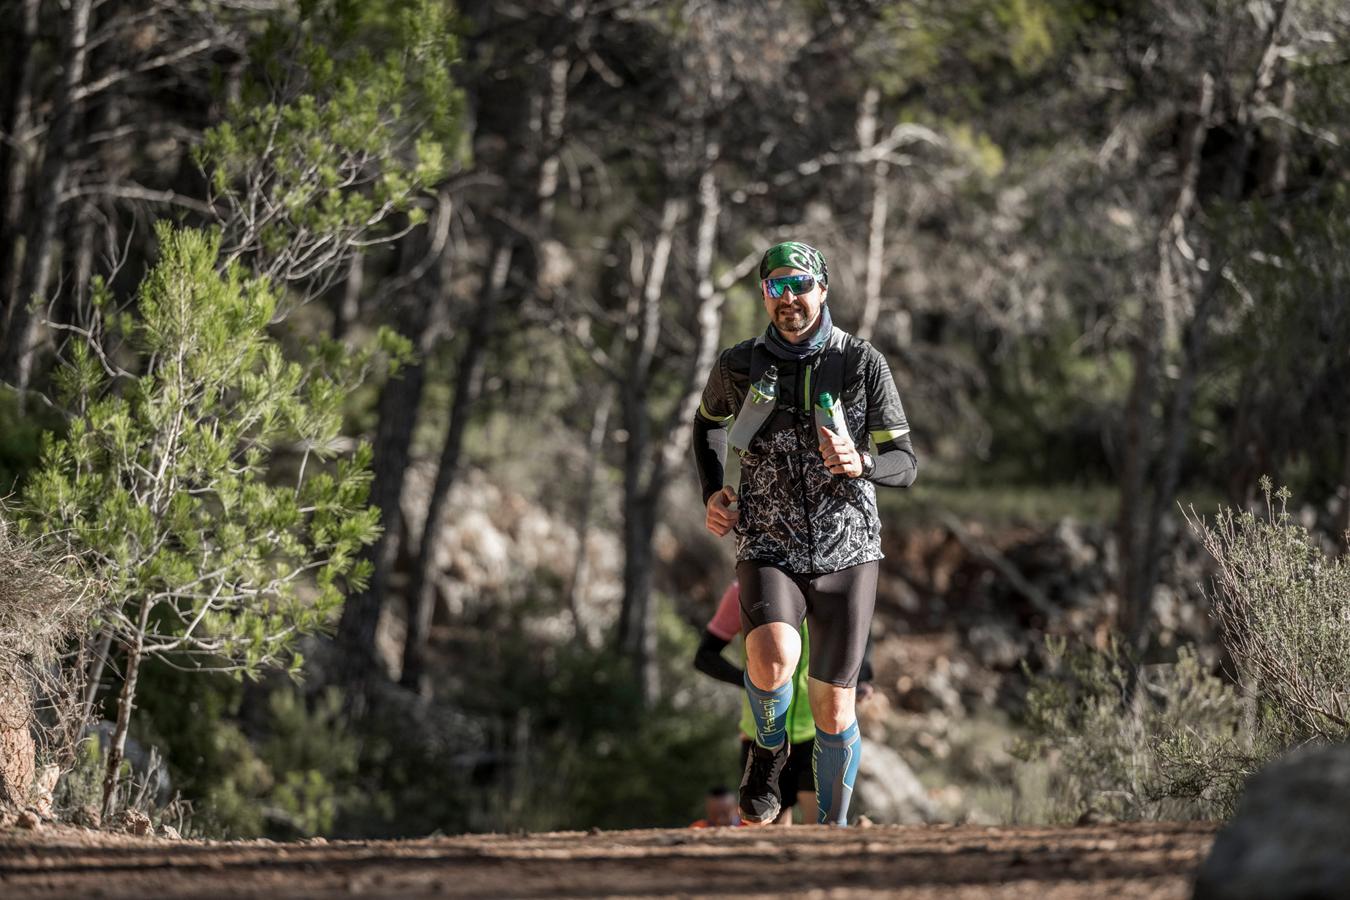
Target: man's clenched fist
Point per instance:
(840, 456)
(721, 514)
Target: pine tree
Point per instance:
(164, 485)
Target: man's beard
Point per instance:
(793, 321)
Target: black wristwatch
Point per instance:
(868, 463)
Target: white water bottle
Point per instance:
(831, 415)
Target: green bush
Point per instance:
(294, 782)
(283, 769)
(1283, 608)
(1121, 750)
(21, 439)
(583, 751)
(1179, 741)
(82, 785)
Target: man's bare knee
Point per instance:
(772, 651)
(832, 706)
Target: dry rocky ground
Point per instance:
(946, 861)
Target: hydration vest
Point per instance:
(828, 368)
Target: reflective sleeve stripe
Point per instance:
(703, 411)
(881, 437)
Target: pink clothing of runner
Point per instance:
(726, 622)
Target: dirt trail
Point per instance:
(1117, 861)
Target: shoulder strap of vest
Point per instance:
(829, 375)
(759, 360)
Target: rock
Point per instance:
(170, 833)
(997, 644)
(28, 819)
(498, 544)
(898, 594)
(1073, 543)
(1290, 836)
(939, 686)
(887, 792)
(556, 266)
(1093, 816)
(133, 821)
(44, 789)
(977, 816)
(87, 816)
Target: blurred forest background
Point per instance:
(350, 351)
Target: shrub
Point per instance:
(1116, 749)
(263, 760)
(582, 750)
(45, 608)
(1181, 741)
(1283, 609)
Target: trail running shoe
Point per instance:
(760, 799)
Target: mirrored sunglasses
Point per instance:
(798, 284)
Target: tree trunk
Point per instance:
(349, 306)
(125, 704)
(1345, 490)
(558, 71)
(1173, 449)
(82, 269)
(96, 666)
(393, 438)
(594, 458)
(399, 403)
(634, 615)
(646, 464)
(637, 624)
(22, 334)
(421, 594)
(1139, 449)
(18, 158)
(874, 272)
(644, 328)
(1141, 521)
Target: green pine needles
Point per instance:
(166, 484)
(349, 117)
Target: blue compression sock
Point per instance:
(835, 761)
(770, 709)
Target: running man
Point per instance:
(823, 426)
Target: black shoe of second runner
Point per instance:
(760, 799)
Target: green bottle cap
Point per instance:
(826, 400)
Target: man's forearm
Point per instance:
(710, 454)
(710, 661)
(894, 464)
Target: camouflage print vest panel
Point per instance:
(793, 512)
